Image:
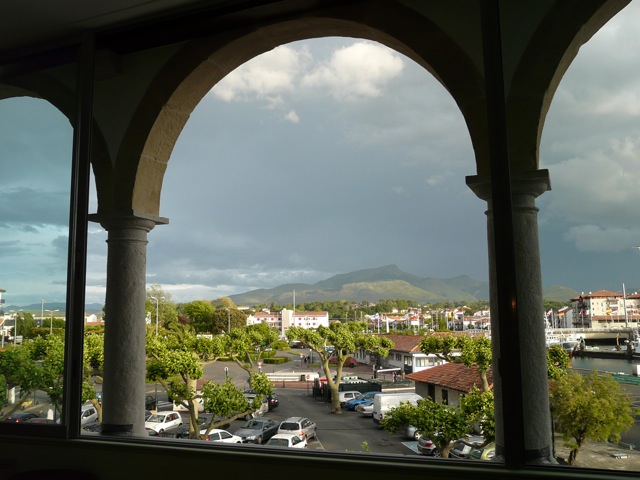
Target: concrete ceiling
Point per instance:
(27, 23)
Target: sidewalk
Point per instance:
(601, 455)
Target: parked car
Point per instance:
(271, 399)
(427, 447)
(264, 406)
(40, 420)
(347, 395)
(363, 397)
(301, 426)
(484, 453)
(462, 448)
(20, 417)
(257, 430)
(290, 440)
(88, 414)
(159, 422)
(222, 436)
(365, 408)
(412, 432)
(150, 402)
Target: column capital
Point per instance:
(127, 220)
(529, 183)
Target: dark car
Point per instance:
(271, 399)
(150, 402)
(258, 430)
(462, 448)
(20, 417)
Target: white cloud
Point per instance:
(264, 77)
(292, 116)
(357, 71)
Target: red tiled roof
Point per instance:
(405, 343)
(453, 376)
(599, 294)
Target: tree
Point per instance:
(346, 339)
(558, 361)
(445, 424)
(227, 402)
(19, 369)
(201, 314)
(25, 323)
(176, 360)
(248, 345)
(461, 349)
(165, 308)
(589, 406)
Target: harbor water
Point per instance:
(611, 365)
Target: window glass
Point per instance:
(589, 239)
(36, 151)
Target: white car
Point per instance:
(222, 436)
(365, 408)
(159, 422)
(348, 395)
(290, 440)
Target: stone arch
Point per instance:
(546, 59)
(199, 65)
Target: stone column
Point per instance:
(125, 330)
(526, 187)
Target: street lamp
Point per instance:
(14, 314)
(157, 311)
(42, 312)
(51, 324)
(228, 320)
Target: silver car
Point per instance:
(301, 426)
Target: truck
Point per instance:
(383, 402)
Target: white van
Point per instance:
(385, 401)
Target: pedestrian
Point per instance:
(394, 377)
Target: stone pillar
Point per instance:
(125, 330)
(526, 187)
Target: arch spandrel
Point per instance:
(201, 64)
(548, 55)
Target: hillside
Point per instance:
(372, 285)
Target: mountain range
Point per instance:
(369, 285)
(388, 282)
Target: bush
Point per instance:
(276, 360)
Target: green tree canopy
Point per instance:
(458, 348)
(346, 339)
(445, 424)
(591, 406)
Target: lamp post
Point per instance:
(14, 314)
(157, 311)
(228, 320)
(157, 299)
(42, 312)
(51, 323)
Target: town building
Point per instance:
(284, 319)
(605, 309)
(449, 382)
(405, 355)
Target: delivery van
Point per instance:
(383, 402)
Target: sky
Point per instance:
(333, 155)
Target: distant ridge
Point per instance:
(372, 285)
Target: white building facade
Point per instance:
(285, 319)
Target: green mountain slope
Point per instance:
(388, 282)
